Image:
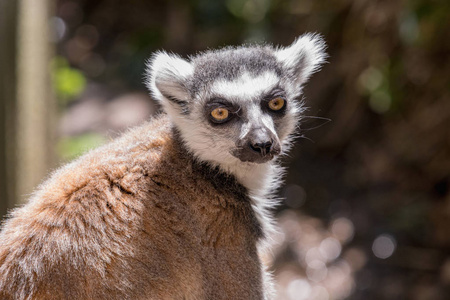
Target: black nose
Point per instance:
(262, 148)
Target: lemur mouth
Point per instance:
(259, 160)
(257, 154)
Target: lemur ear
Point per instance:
(303, 57)
(167, 76)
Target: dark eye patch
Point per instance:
(221, 103)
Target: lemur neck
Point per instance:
(257, 178)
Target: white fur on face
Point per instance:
(214, 145)
(246, 86)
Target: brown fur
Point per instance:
(135, 219)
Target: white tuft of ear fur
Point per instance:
(166, 77)
(303, 57)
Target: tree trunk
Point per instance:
(27, 110)
(8, 20)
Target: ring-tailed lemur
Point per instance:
(176, 208)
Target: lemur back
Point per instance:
(178, 207)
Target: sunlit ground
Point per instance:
(313, 261)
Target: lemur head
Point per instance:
(236, 105)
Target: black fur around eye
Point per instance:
(220, 111)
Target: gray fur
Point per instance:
(228, 63)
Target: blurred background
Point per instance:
(366, 205)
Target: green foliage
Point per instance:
(68, 82)
(252, 11)
(375, 84)
(69, 148)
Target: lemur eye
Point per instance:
(276, 104)
(220, 114)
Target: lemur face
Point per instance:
(252, 112)
(236, 105)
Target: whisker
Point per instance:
(326, 121)
(306, 138)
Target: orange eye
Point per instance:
(220, 114)
(276, 104)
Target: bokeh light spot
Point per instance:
(343, 229)
(59, 29)
(384, 246)
(295, 196)
(316, 270)
(319, 293)
(299, 289)
(330, 248)
(371, 79)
